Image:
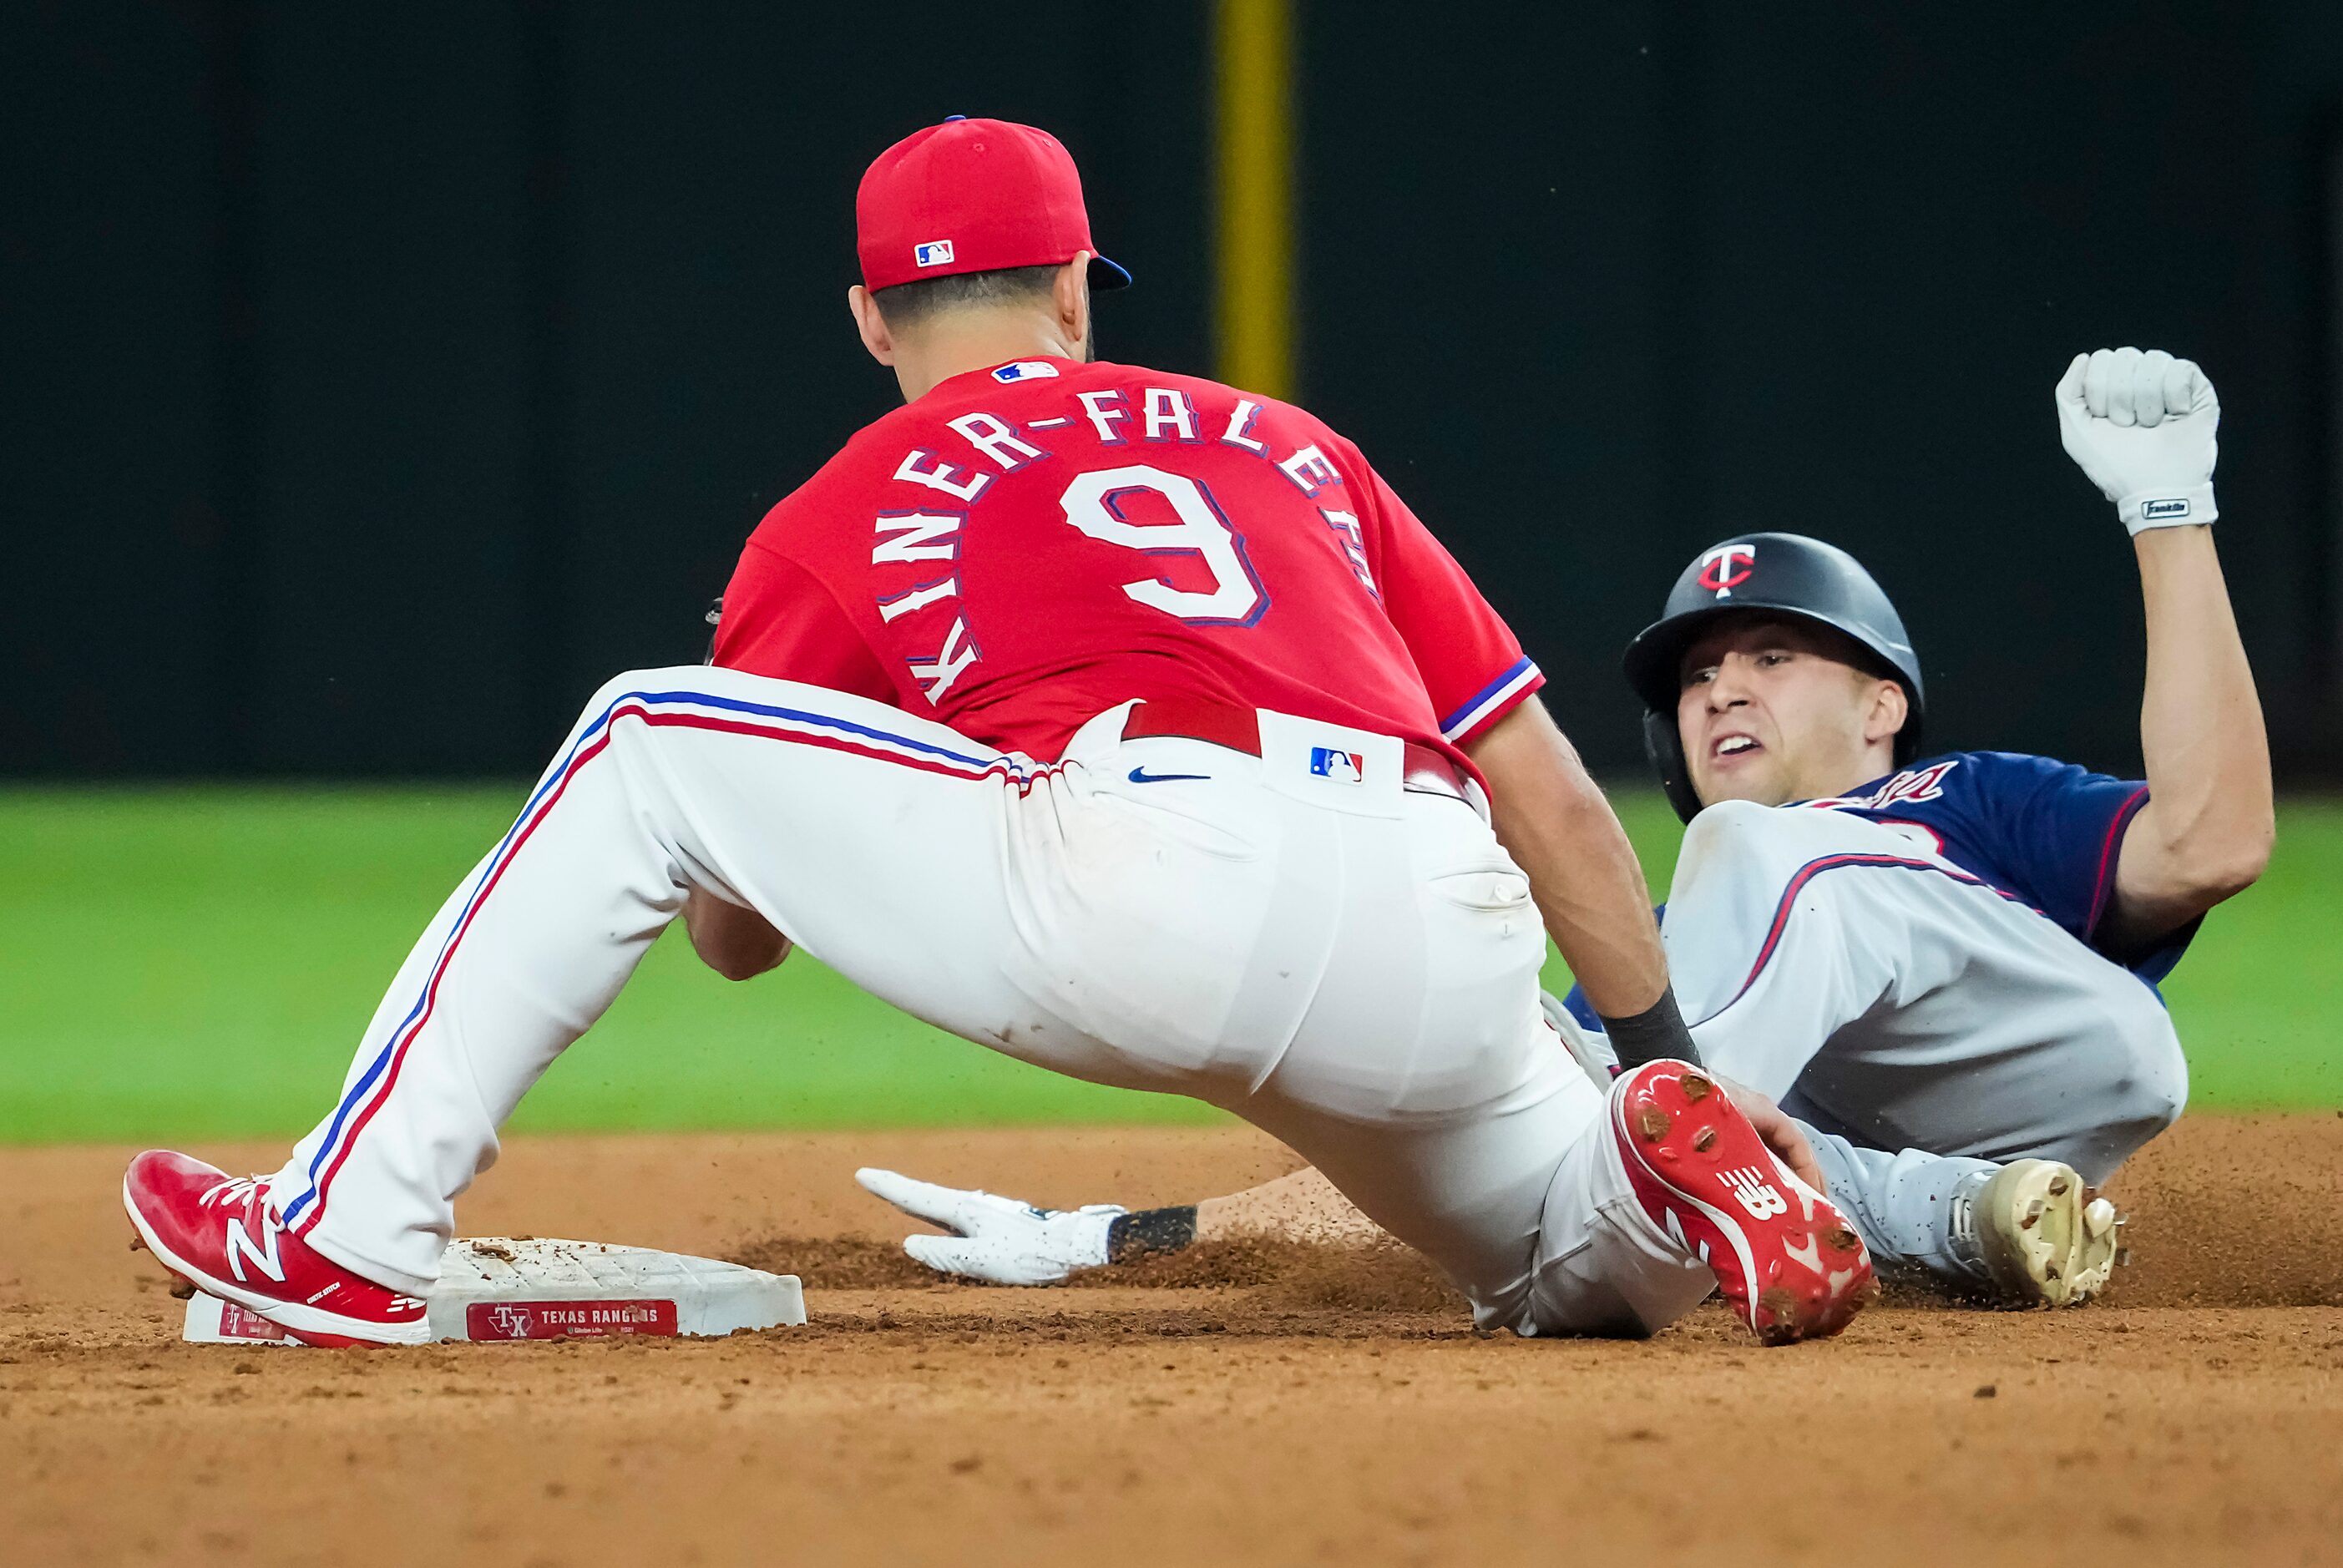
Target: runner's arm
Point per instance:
(2142, 427)
(2204, 834)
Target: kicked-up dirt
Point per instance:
(1247, 1404)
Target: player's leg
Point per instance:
(1168, 938)
(1430, 1089)
(1470, 1133)
(1901, 1200)
(1912, 1013)
(1824, 961)
(2027, 1230)
(1569, 1210)
(881, 844)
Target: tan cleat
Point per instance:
(2044, 1238)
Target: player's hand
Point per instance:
(1781, 1134)
(735, 941)
(2140, 426)
(995, 1239)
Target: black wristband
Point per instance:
(1150, 1230)
(1655, 1034)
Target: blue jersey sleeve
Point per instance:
(2057, 830)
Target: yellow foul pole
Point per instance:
(1252, 47)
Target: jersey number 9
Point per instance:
(1094, 503)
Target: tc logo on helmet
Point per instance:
(1726, 568)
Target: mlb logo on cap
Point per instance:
(1348, 767)
(934, 253)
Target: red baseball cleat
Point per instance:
(1790, 1264)
(218, 1232)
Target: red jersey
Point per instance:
(1031, 544)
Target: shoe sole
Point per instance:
(1681, 1132)
(315, 1325)
(2049, 1240)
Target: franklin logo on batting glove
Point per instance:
(2143, 427)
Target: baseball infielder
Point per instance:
(1943, 967)
(1129, 724)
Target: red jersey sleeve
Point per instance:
(1471, 663)
(778, 620)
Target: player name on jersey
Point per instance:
(1014, 556)
(927, 537)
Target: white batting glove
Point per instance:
(2140, 426)
(996, 1239)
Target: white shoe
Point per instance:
(2041, 1236)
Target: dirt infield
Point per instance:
(1256, 1405)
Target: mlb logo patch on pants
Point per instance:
(1351, 770)
(1349, 766)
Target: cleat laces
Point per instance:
(238, 1192)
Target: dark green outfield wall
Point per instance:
(374, 380)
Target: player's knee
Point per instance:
(641, 686)
(2139, 1087)
(2155, 1085)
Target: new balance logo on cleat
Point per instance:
(1791, 1271)
(1760, 1197)
(220, 1235)
(240, 1247)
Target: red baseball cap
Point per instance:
(974, 195)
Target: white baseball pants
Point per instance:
(1918, 1022)
(1351, 965)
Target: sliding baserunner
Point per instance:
(1126, 723)
(1943, 966)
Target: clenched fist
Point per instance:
(2141, 427)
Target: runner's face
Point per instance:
(1771, 711)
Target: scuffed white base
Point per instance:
(499, 1287)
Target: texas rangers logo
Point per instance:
(1726, 568)
(1760, 1197)
(1348, 767)
(512, 1322)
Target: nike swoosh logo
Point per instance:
(1142, 776)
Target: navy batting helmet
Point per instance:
(1782, 574)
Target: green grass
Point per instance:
(198, 963)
